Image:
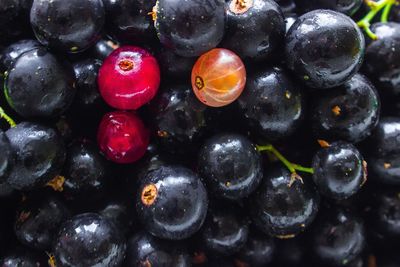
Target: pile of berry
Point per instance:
(200, 133)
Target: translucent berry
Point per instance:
(129, 78)
(122, 137)
(218, 77)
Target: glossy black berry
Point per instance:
(348, 7)
(348, 112)
(272, 104)
(339, 170)
(146, 250)
(20, 259)
(173, 65)
(384, 152)
(190, 28)
(384, 72)
(70, 26)
(6, 156)
(103, 48)
(172, 202)
(178, 118)
(40, 155)
(258, 251)
(89, 240)
(129, 20)
(38, 220)
(255, 29)
(88, 98)
(231, 165)
(13, 51)
(225, 230)
(385, 214)
(85, 171)
(324, 48)
(281, 210)
(121, 213)
(39, 84)
(338, 239)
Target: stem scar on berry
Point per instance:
(149, 194)
(52, 259)
(240, 6)
(293, 168)
(126, 65)
(199, 83)
(323, 143)
(57, 183)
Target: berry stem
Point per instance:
(293, 168)
(375, 8)
(385, 13)
(3, 115)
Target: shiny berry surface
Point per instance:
(122, 137)
(218, 77)
(171, 202)
(89, 239)
(339, 170)
(324, 48)
(129, 78)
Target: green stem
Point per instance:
(291, 166)
(385, 13)
(375, 8)
(10, 121)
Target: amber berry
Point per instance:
(122, 137)
(218, 77)
(129, 78)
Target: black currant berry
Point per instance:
(190, 28)
(70, 26)
(89, 240)
(272, 104)
(39, 84)
(280, 209)
(384, 151)
(129, 20)
(338, 239)
(38, 220)
(348, 112)
(13, 51)
(384, 72)
(40, 155)
(179, 119)
(339, 170)
(225, 230)
(255, 29)
(324, 48)
(85, 171)
(172, 202)
(231, 165)
(146, 250)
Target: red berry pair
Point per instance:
(128, 79)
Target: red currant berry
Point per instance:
(122, 137)
(129, 78)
